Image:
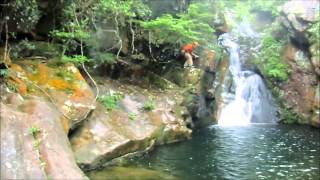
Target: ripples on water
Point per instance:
(252, 152)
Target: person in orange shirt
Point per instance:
(187, 52)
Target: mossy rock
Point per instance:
(184, 77)
(158, 81)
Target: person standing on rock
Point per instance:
(187, 52)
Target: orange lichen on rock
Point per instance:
(78, 76)
(60, 84)
(78, 93)
(21, 86)
(43, 74)
(17, 68)
(65, 124)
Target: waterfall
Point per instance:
(249, 101)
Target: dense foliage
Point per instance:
(314, 31)
(191, 26)
(23, 13)
(270, 61)
(314, 36)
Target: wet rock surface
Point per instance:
(130, 173)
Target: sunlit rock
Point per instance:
(62, 86)
(128, 128)
(33, 142)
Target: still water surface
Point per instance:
(251, 152)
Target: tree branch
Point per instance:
(150, 50)
(6, 58)
(86, 71)
(133, 34)
(118, 34)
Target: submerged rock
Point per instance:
(129, 173)
(127, 129)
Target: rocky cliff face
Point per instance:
(302, 55)
(47, 101)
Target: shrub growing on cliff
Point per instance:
(269, 60)
(76, 59)
(34, 131)
(110, 101)
(132, 116)
(4, 73)
(314, 31)
(149, 105)
(314, 36)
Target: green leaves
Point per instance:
(314, 31)
(128, 8)
(77, 59)
(270, 61)
(23, 13)
(34, 131)
(149, 105)
(132, 116)
(4, 73)
(195, 25)
(110, 100)
(64, 36)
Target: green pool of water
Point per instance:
(252, 152)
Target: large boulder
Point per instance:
(61, 85)
(128, 129)
(297, 17)
(42, 102)
(33, 142)
(300, 13)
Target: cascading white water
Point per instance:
(252, 102)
